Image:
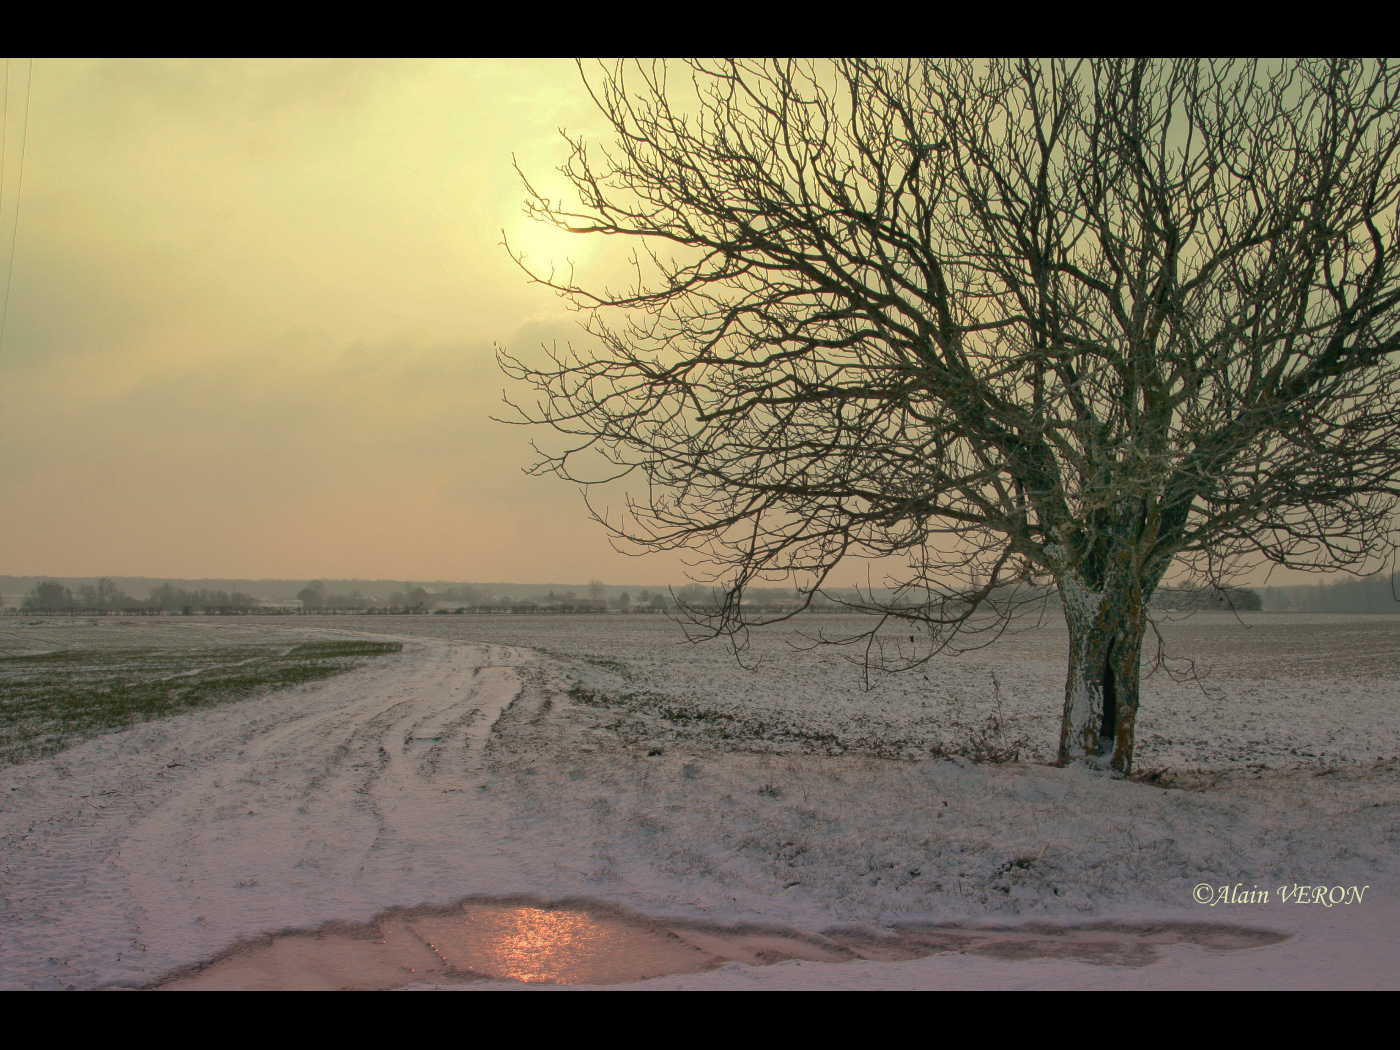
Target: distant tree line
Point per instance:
(1240, 599)
(1374, 594)
(106, 596)
(644, 602)
(315, 596)
(1370, 594)
(770, 600)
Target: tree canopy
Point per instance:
(1013, 323)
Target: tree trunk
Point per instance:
(1106, 628)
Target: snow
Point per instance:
(676, 785)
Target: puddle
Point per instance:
(585, 944)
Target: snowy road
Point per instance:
(157, 846)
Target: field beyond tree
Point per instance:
(52, 700)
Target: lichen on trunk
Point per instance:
(1106, 628)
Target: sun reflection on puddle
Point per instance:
(562, 947)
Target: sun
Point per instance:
(544, 247)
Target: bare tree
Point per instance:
(1020, 325)
(313, 595)
(104, 594)
(48, 596)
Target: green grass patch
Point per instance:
(51, 701)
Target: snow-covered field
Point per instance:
(601, 759)
(1265, 685)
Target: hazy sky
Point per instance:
(251, 322)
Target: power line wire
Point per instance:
(19, 187)
(5, 143)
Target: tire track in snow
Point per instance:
(274, 812)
